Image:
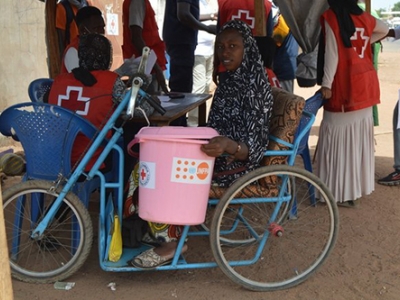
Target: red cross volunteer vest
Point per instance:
(240, 10)
(355, 85)
(93, 103)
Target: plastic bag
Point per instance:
(115, 251)
(128, 68)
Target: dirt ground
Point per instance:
(365, 263)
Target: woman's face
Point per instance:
(230, 49)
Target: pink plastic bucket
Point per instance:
(174, 174)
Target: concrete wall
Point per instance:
(22, 49)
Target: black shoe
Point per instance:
(391, 179)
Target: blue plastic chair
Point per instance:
(38, 88)
(47, 134)
(313, 104)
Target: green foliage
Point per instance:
(379, 12)
(396, 7)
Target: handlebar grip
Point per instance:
(152, 102)
(156, 105)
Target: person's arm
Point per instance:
(331, 62)
(394, 33)
(139, 44)
(184, 16)
(380, 31)
(257, 111)
(61, 19)
(222, 145)
(270, 24)
(208, 17)
(137, 12)
(61, 41)
(254, 125)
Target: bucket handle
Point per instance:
(130, 145)
(138, 140)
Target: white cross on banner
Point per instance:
(112, 24)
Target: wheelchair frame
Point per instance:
(284, 203)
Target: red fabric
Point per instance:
(95, 105)
(240, 10)
(150, 35)
(355, 85)
(273, 80)
(73, 44)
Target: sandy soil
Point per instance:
(365, 263)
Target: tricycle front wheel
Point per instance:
(65, 243)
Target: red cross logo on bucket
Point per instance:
(147, 175)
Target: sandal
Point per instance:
(149, 259)
(349, 204)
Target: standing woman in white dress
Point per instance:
(350, 84)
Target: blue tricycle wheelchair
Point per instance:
(272, 229)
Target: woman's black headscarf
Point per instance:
(245, 92)
(343, 9)
(95, 53)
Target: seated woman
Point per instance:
(91, 90)
(241, 106)
(240, 112)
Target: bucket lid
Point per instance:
(177, 132)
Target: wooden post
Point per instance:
(6, 292)
(53, 51)
(368, 6)
(259, 13)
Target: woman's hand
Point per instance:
(222, 145)
(216, 146)
(325, 92)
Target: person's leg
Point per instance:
(154, 87)
(181, 72)
(199, 86)
(167, 237)
(209, 71)
(181, 68)
(394, 177)
(199, 75)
